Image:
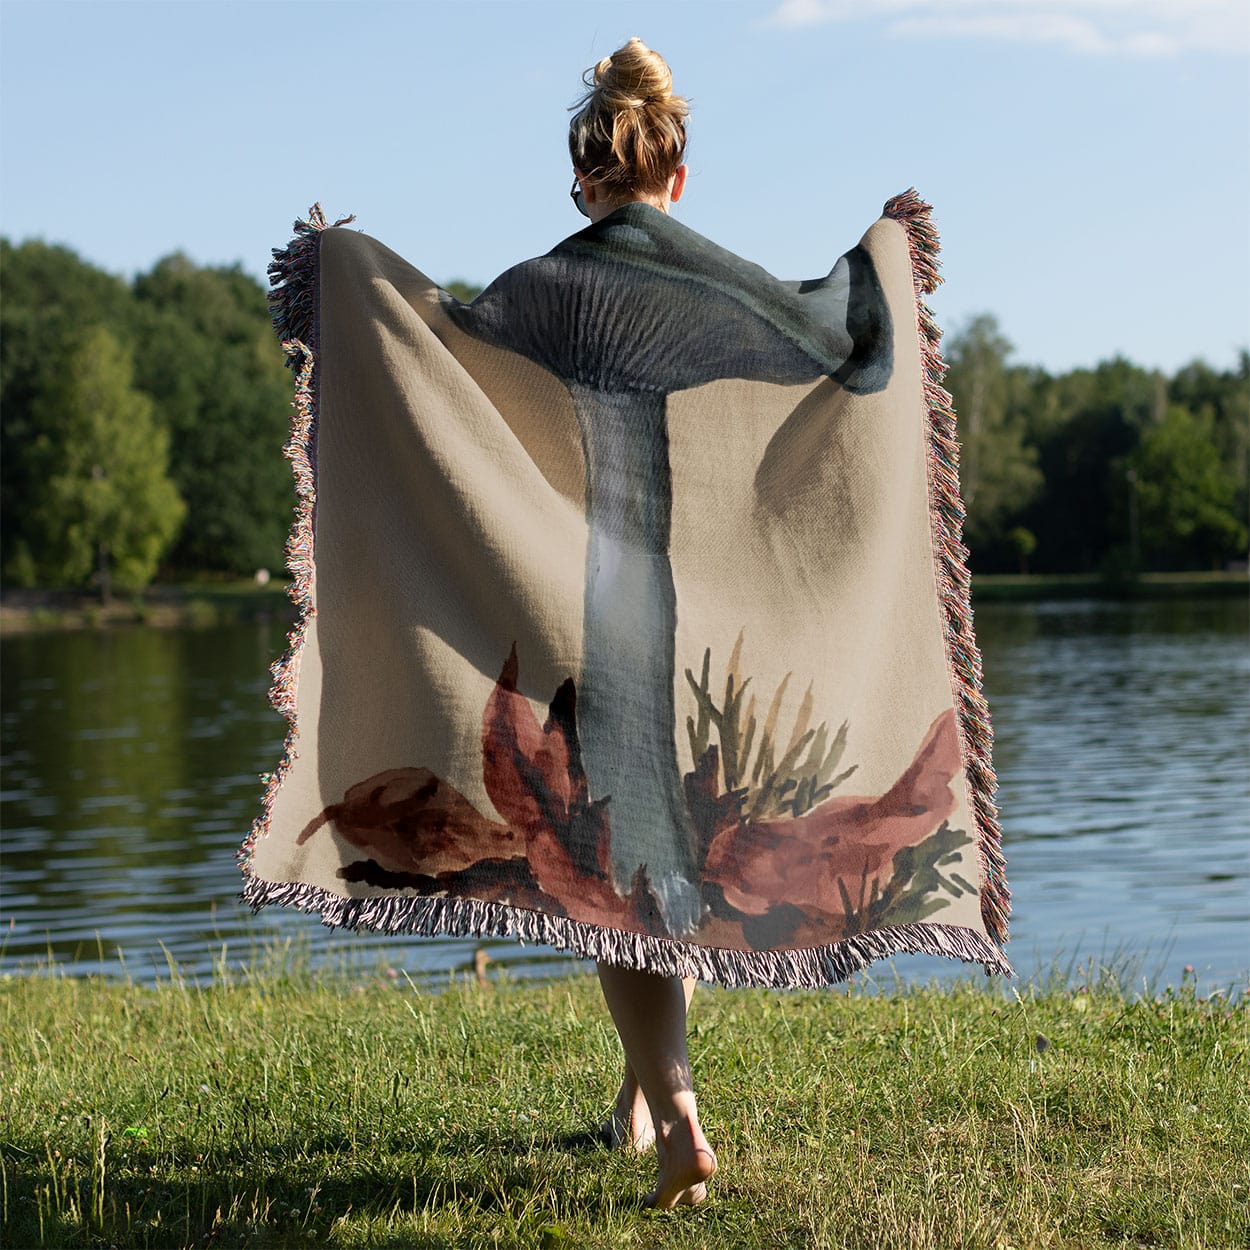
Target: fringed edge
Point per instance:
(946, 514)
(293, 303)
(809, 968)
(293, 272)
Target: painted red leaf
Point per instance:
(524, 769)
(800, 861)
(534, 777)
(410, 820)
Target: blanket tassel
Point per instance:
(810, 968)
(293, 302)
(947, 513)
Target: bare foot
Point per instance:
(629, 1126)
(686, 1164)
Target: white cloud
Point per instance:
(1137, 28)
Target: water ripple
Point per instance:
(131, 763)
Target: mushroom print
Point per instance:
(648, 308)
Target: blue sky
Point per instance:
(1088, 160)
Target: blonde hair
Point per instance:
(629, 133)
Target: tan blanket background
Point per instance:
(701, 700)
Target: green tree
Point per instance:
(105, 506)
(465, 292)
(208, 357)
(1222, 398)
(998, 473)
(51, 298)
(1086, 423)
(1024, 543)
(1186, 495)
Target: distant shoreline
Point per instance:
(997, 587)
(176, 605)
(195, 604)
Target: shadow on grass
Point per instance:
(261, 1197)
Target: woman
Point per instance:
(526, 526)
(628, 141)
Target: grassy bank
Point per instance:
(995, 587)
(212, 603)
(287, 1109)
(166, 606)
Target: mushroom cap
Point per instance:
(640, 302)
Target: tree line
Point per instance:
(1112, 470)
(142, 424)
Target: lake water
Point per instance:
(1122, 731)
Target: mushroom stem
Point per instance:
(626, 712)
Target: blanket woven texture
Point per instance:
(634, 617)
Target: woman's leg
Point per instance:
(629, 1123)
(650, 1015)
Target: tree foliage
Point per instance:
(105, 505)
(1058, 473)
(207, 352)
(51, 299)
(143, 422)
(1186, 493)
(997, 466)
(465, 292)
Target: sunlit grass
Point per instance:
(277, 1106)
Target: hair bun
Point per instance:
(629, 132)
(633, 76)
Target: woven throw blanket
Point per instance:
(634, 616)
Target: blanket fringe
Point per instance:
(293, 303)
(293, 295)
(947, 512)
(810, 968)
